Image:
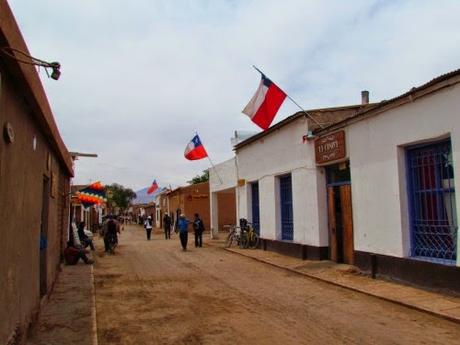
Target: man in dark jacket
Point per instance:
(167, 226)
(198, 227)
(110, 232)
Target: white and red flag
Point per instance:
(195, 149)
(266, 102)
(153, 187)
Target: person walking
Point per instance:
(110, 233)
(182, 224)
(198, 227)
(148, 227)
(167, 226)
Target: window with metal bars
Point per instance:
(432, 203)
(255, 207)
(287, 221)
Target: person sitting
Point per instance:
(84, 239)
(72, 254)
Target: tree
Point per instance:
(200, 178)
(119, 196)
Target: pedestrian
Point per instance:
(84, 239)
(182, 224)
(198, 227)
(72, 254)
(167, 226)
(110, 232)
(148, 227)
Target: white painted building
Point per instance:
(375, 188)
(282, 192)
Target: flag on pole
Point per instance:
(153, 187)
(195, 149)
(265, 103)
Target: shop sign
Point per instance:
(330, 147)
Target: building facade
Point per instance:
(35, 172)
(190, 200)
(222, 189)
(375, 188)
(281, 191)
(403, 160)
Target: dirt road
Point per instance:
(151, 292)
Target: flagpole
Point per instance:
(212, 164)
(306, 113)
(210, 161)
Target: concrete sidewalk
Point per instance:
(348, 277)
(69, 316)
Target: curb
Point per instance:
(93, 308)
(411, 306)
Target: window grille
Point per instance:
(287, 224)
(432, 203)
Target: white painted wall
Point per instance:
(377, 161)
(222, 177)
(278, 153)
(228, 176)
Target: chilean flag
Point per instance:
(265, 103)
(195, 149)
(153, 187)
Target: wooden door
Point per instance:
(332, 223)
(347, 224)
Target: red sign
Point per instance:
(330, 147)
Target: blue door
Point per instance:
(432, 202)
(287, 223)
(255, 207)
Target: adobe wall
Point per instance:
(24, 165)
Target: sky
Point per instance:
(141, 77)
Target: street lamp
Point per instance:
(25, 58)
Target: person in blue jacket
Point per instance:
(182, 224)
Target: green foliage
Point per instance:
(200, 178)
(119, 196)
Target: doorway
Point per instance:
(340, 216)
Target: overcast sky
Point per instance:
(140, 77)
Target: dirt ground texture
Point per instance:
(151, 292)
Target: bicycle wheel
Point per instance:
(253, 241)
(230, 237)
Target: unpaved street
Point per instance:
(151, 292)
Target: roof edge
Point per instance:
(406, 97)
(293, 117)
(13, 36)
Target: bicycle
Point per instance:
(112, 243)
(233, 236)
(249, 237)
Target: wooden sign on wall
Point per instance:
(330, 147)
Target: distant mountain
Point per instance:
(143, 198)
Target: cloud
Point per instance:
(139, 78)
